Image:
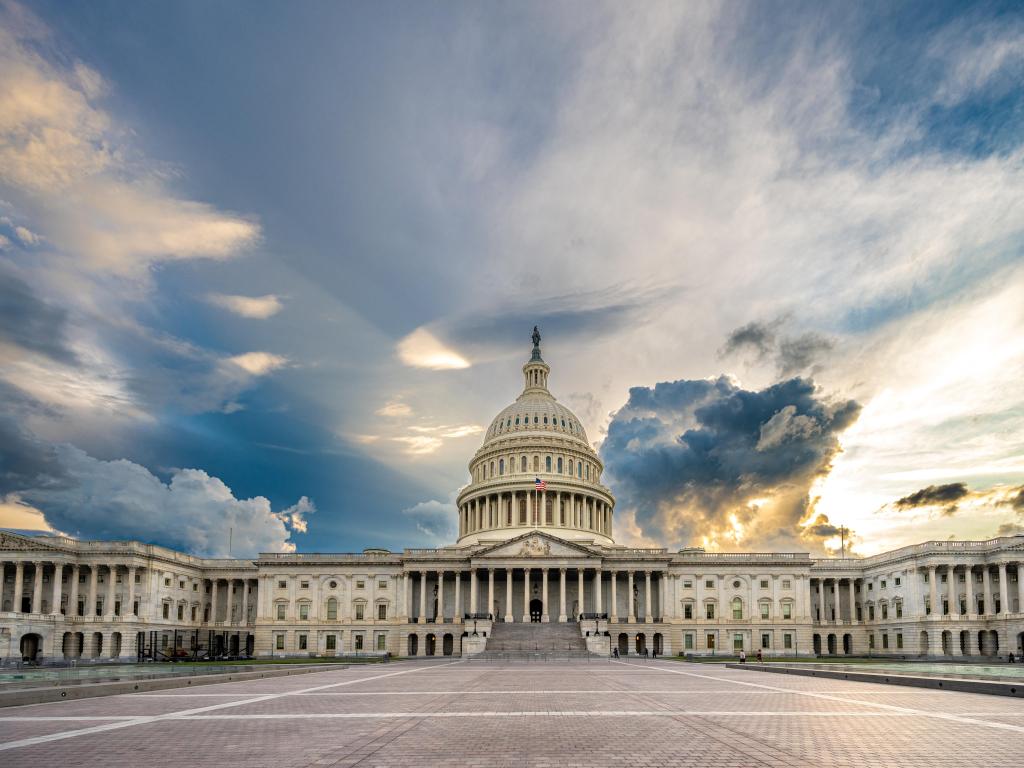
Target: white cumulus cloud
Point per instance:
(421, 349)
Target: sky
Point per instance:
(268, 271)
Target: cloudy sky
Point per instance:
(267, 272)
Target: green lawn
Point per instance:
(318, 660)
(783, 660)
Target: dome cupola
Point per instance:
(535, 469)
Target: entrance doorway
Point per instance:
(623, 644)
(536, 610)
(31, 644)
(414, 643)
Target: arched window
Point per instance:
(547, 463)
(522, 464)
(545, 418)
(588, 471)
(535, 420)
(332, 610)
(536, 463)
(737, 608)
(579, 469)
(492, 469)
(559, 465)
(563, 423)
(501, 466)
(517, 421)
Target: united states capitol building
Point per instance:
(533, 568)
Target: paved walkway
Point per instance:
(655, 713)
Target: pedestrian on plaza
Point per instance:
(743, 657)
(1011, 659)
(760, 658)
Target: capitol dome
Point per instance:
(536, 470)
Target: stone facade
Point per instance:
(535, 544)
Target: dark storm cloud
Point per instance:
(934, 495)
(25, 461)
(30, 323)
(690, 457)
(755, 337)
(801, 352)
(790, 354)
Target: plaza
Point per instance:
(471, 713)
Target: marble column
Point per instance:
(90, 607)
(458, 597)
(951, 595)
(19, 585)
(37, 589)
(561, 595)
(245, 602)
(406, 595)
(73, 595)
(614, 613)
(972, 603)
(544, 614)
(108, 609)
(1004, 593)
(213, 600)
(630, 615)
(836, 606)
(490, 593)
(598, 588)
(508, 595)
(440, 597)
(423, 598)
(582, 606)
(526, 595)
(58, 573)
(821, 601)
(473, 602)
(853, 601)
(647, 598)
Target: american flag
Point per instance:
(541, 485)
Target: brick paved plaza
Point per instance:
(480, 714)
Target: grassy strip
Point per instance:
(257, 662)
(780, 660)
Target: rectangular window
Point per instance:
(766, 640)
(687, 611)
(709, 584)
(195, 587)
(382, 611)
(181, 585)
(899, 610)
(181, 612)
(167, 582)
(898, 581)
(885, 611)
(382, 585)
(899, 640)
(359, 612)
(787, 584)
(764, 583)
(382, 642)
(871, 640)
(687, 584)
(883, 583)
(303, 585)
(167, 611)
(282, 585)
(360, 584)
(279, 642)
(304, 612)
(117, 608)
(787, 640)
(280, 611)
(688, 642)
(135, 609)
(765, 608)
(885, 641)
(787, 610)
(710, 642)
(138, 578)
(359, 642)
(193, 613)
(709, 610)
(303, 642)
(737, 642)
(332, 642)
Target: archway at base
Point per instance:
(536, 610)
(30, 646)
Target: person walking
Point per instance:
(743, 657)
(760, 658)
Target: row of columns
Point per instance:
(491, 511)
(951, 592)
(229, 618)
(56, 587)
(597, 591)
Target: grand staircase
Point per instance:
(532, 640)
